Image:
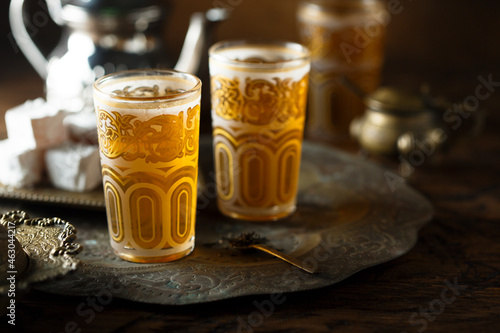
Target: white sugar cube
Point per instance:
(82, 126)
(74, 167)
(36, 124)
(19, 168)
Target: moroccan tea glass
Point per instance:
(148, 126)
(259, 96)
(346, 39)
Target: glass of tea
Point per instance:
(259, 96)
(346, 39)
(148, 127)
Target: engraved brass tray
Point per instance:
(350, 216)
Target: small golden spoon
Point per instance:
(253, 241)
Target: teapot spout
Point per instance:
(197, 38)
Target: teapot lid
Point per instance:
(395, 101)
(107, 14)
(111, 7)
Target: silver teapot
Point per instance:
(104, 36)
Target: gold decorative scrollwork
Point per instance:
(191, 141)
(227, 97)
(263, 102)
(159, 139)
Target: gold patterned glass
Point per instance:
(346, 39)
(148, 126)
(259, 95)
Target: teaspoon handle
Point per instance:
(282, 256)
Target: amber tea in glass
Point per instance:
(148, 126)
(346, 39)
(259, 95)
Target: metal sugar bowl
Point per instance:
(400, 123)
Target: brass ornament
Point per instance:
(48, 243)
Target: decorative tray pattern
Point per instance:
(48, 245)
(348, 218)
(48, 194)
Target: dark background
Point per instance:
(465, 35)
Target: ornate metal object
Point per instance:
(397, 122)
(350, 216)
(48, 243)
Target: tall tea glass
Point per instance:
(148, 126)
(259, 95)
(346, 39)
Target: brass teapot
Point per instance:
(104, 36)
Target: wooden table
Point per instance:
(449, 282)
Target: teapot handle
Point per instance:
(23, 38)
(197, 37)
(192, 49)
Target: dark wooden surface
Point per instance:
(460, 247)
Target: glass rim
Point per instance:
(148, 72)
(326, 7)
(303, 53)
